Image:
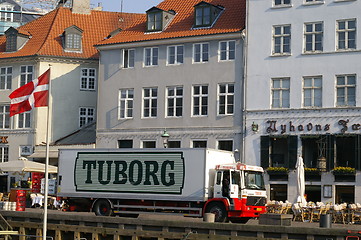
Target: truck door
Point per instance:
(234, 186)
(218, 184)
(226, 184)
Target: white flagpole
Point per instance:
(46, 184)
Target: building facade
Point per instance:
(303, 96)
(179, 70)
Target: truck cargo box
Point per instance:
(143, 174)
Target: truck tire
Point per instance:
(102, 207)
(218, 210)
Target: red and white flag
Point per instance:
(32, 94)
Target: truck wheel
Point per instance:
(218, 210)
(102, 208)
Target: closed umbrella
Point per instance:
(24, 165)
(300, 173)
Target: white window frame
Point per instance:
(153, 58)
(26, 74)
(200, 97)
(7, 16)
(126, 103)
(313, 88)
(4, 117)
(314, 34)
(88, 79)
(282, 3)
(284, 37)
(284, 102)
(203, 54)
(4, 153)
(24, 120)
(178, 55)
(347, 88)
(175, 98)
(86, 118)
(73, 41)
(152, 100)
(346, 31)
(6, 74)
(223, 108)
(228, 52)
(128, 60)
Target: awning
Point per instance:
(42, 154)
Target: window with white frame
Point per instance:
(200, 52)
(128, 58)
(314, 1)
(126, 98)
(227, 50)
(4, 153)
(24, 120)
(225, 98)
(5, 77)
(346, 34)
(282, 39)
(151, 56)
(346, 90)
(314, 37)
(86, 115)
(26, 74)
(280, 93)
(175, 55)
(174, 101)
(150, 102)
(6, 14)
(73, 41)
(200, 100)
(4, 117)
(312, 91)
(279, 3)
(87, 79)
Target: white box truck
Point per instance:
(190, 182)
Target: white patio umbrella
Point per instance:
(300, 173)
(24, 165)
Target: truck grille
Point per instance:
(256, 201)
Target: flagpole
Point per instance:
(46, 184)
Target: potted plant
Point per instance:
(277, 173)
(312, 174)
(344, 174)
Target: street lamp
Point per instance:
(165, 137)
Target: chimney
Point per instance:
(81, 6)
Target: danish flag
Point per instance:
(32, 94)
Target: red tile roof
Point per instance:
(45, 32)
(231, 20)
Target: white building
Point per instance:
(303, 94)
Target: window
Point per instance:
(126, 97)
(151, 56)
(154, 21)
(125, 143)
(73, 41)
(312, 91)
(86, 115)
(26, 74)
(175, 55)
(282, 39)
(313, 37)
(6, 16)
(200, 52)
(150, 102)
(313, 1)
(282, 3)
(4, 153)
(11, 41)
(203, 16)
(149, 144)
(200, 100)
(4, 117)
(346, 34)
(225, 99)
(87, 79)
(174, 101)
(174, 144)
(24, 120)
(128, 58)
(226, 145)
(281, 93)
(5, 77)
(199, 143)
(346, 90)
(227, 50)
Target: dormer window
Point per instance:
(15, 40)
(206, 14)
(11, 42)
(73, 39)
(6, 14)
(158, 19)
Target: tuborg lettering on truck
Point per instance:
(127, 172)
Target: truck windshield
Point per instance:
(254, 180)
